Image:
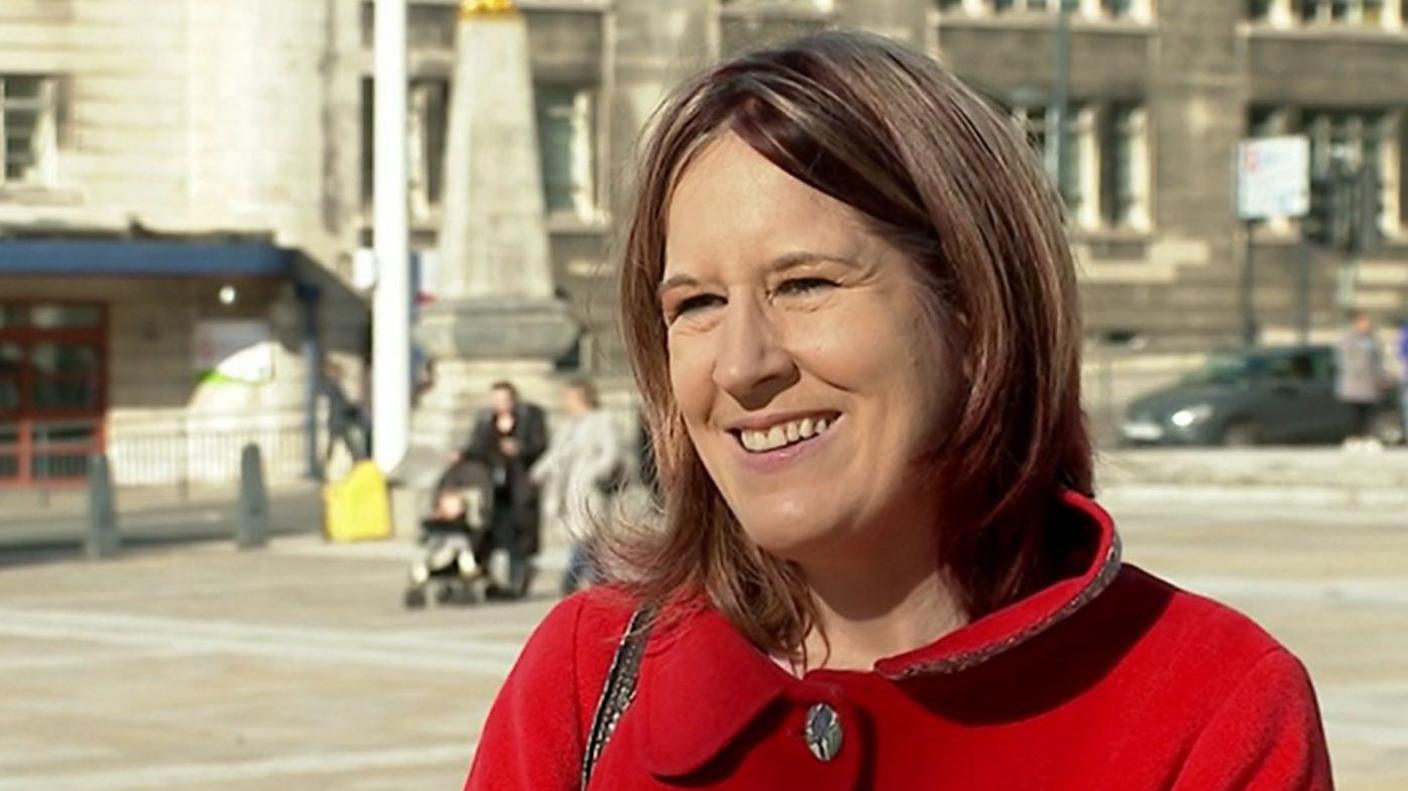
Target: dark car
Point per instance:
(1270, 395)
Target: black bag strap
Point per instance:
(620, 687)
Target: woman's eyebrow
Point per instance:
(782, 263)
(674, 281)
(798, 258)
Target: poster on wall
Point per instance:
(233, 351)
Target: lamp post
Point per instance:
(391, 303)
(1058, 154)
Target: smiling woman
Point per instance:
(851, 311)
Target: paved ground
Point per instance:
(196, 666)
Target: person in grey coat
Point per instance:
(581, 472)
(1359, 375)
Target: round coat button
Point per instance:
(823, 732)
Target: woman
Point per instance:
(852, 314)
(581, 470)
(511, 435)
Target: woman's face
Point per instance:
(574, 401)
(800, 357)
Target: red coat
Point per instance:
(1108, 678)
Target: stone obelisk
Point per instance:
(497, 316)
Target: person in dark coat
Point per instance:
(512, 435)
(347, 423)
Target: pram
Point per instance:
(456, 538)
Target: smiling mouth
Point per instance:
(783, 435)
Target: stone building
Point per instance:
(186, 184)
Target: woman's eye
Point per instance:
(804, 285)
(694, 303)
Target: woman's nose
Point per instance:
(752, 364)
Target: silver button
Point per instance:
(823, 732)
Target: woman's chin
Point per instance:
(793, 539)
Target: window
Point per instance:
(1259, 9)
(1105, 180)
(1022, 5)
(1354, 141)
(566, 149)
(427, 123)
(1033, 121)
(1124, 180)
(1361, 12)
(1039, 124)
(1118, 8)
(28, 130)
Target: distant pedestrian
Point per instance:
(512, 435)
(1403, 376)
(582, 471)
(1359, 377)
(347, 422)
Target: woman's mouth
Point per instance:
(784, 434)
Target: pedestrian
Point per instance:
(347, 422)
(512, 435)
(583, 470)
(852, 311)
(1359, 379)
(1403, 377)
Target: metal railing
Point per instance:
(205, 451)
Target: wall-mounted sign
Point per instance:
(234, 351)
(1273, 177)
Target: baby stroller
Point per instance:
(456, 538)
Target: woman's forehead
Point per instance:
(731, 202)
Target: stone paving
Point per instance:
(295, 667)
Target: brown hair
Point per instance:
(588, 390)
(934, 169)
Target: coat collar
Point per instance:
(686, 721)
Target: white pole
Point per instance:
(391, 305)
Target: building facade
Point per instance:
(173, 249)
(186, 191)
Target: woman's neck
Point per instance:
(879, 601)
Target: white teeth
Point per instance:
(782, 434)
(777, 436)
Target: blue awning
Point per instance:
(143, 258)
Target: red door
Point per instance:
(53, 390)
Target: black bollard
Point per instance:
(252, 527)
(103, 540)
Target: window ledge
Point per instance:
(1111, 234)
(764, 10)
(1323, 31)
(1045, 20)
(30, 195)
(556, 223)
(568, 223)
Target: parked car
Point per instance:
(1267, 395)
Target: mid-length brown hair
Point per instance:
(941, 174)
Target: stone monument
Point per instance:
(497, 315)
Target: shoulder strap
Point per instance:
(620, 687)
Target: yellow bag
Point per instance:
(357, 508)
